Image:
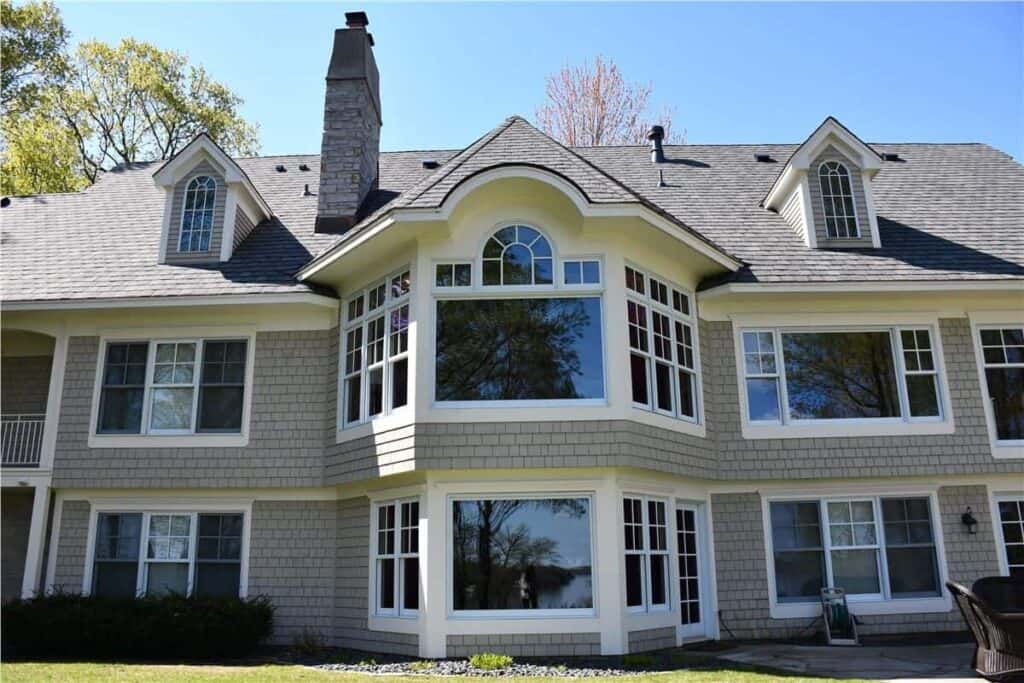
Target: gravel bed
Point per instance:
(462, 667)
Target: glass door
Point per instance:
(690, 556)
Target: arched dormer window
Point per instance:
(517, 255)
(197, 215)
(837, 200)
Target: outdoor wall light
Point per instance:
(969, 521)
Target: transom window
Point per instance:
(197, 214)
(662, 343)
(804, 375)
(375, 358)
(647, 570)
(837, 201)
(173, 387)
(397, 564)
(1002, 351)
(518, 255)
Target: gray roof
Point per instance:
(946, 212)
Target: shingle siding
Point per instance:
(26, 383)
(859, 201)
(525, 644)
(71, 546)
(16, 508)
(243, 226)
(173, 256)
(652, 639)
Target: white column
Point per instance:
(608, 558)
(36, 534)
(433, 598)
(53, 398)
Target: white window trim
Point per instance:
(163, 506)
(434, 287)
(478, 261)
(858, 604)
(994, 499)
(1010, 449)
(213, 214)
(589, 258)
(848, 427)
(853, 201)
(671, 578)
(158, 439)
(691, 321)
(516, 614)
(396, 612)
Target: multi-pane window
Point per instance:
(837, 200)
(397, 565)
(1002, 351)
(662, 342)
(160, 553)
(581, 272)
(197, 214)
(453, 275)
(882, 548)
(645, 525)
(375, 380)
(173, 387)
(1011, 520)
(805, 375)
(518, 255)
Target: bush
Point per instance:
(76, 626)
(490, 661)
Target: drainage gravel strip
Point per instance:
(462, 667)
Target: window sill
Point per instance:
(393, 624)
(1008, 450)
(168, 440)
(845, 429)
(800, 610)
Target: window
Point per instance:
(647, 574)
(1011, 519)
(453, 275)
(197, 215)
(159, 553)
(537, 348)
(804, 375)
(397, 558)
(376, 353)
(837, 201)
(582, 272)
(157, 388)
(874, 548)
(662, 342)
(522, 555)
(517, 255)
(1002, 352)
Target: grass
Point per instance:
(23, 672)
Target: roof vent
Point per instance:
(764, 158)
(430, 163)
(303, 167)
(5, 202)
(279, 168)
(891, 156)
(656, 135)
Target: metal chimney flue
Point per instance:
(656, 135)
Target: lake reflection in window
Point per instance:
(522, 554)
(519, 349)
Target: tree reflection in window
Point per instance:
(519, 349)
(517, 255)
(522, 554)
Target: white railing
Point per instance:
(21, 438)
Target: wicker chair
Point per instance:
(999, 636)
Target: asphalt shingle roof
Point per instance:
(945, 212)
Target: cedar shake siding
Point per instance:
(212, 254)
(15, 516)
(26, 384)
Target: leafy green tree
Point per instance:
(40, 155)
(32, 51)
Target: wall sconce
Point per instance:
(969, 521)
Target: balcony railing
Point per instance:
(21, 437)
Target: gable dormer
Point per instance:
(210, 205)
(824, 191)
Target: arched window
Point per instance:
(517, 255)
(837, 199)
(197, 215)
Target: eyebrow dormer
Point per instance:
(824, 191)
(210, 205)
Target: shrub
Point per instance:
(76, 626)
(308, 643)
(637, 660)
(490, 661)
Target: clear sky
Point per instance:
(742, 72)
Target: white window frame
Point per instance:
(652, 306)
(581, 260)
(398, 611)
(997, 522)
(833, 199)
(787, 427)
(213, 214)
(647, 607)
(860, 604)
(1001, 448)
(386, 362)
(517, 614)
(148, 437)
(478, 270)
(159, 507)
(452, 263)
(152, 386)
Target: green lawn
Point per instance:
(278, 673)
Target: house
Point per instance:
(518, 396)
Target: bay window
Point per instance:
(646, 560)
(396, 561)
(1002, 353)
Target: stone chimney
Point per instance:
(351, 142)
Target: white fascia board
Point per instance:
(859, 287)
(166, 301)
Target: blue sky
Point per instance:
(742, 72)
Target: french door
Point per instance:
(691, 568)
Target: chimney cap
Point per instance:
(656, 133)
(356, 20)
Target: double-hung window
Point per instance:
(645, 525)
(806, 375)
(173, 387)
(1002, 355)
(375, 358)
(160, 553)
(396, 562)
(1011, 528)
(662, 346)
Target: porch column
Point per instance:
(610, 600)
(53, 398)
(36, 534)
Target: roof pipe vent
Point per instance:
(429, 163)
(656, 135)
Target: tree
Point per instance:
(593, 104)
(40, 155)
(32, 43)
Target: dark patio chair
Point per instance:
(1002, 593)
(999, 637)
